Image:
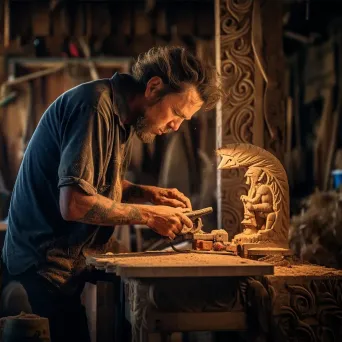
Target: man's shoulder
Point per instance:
(90, 93)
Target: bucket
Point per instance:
(337, 177)
(25, 327)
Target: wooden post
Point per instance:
(248, 41)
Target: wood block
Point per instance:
(219, 246)
(220, 235)
(232, 248)
(245, 247)
(203, 245)
(206, 237)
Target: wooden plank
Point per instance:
(174, 265)
(194, 321)
(142, 23)
(7, 23)
(41, 19)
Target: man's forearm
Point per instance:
(102, 211)
(133, 193)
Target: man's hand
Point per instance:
(167, 221)
(168, 197)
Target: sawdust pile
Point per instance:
(314, 271)
(178, 259)
(283, 261)
(316, 235)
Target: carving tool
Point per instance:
(189, 233)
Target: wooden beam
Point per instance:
(55, 62)
(7, 23)
(27, 78)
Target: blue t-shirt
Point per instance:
(80, 140)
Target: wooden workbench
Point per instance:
(175, 265)
(185, 292)
(165, 292)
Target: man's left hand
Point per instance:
(169, 197)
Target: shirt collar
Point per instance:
(121, 84)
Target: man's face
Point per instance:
(167, 114)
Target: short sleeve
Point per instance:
(84, 148)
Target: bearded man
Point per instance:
(70, 191)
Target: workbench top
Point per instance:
(173, 265)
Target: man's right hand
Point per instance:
(168, 221)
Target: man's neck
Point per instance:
(132, 95)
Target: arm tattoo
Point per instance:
(125, 214)
(134, 214)
(98, 213)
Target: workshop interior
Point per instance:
(262, 169)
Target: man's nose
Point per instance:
(175, 124)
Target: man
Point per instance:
(70, 190)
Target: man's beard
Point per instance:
(143, 130)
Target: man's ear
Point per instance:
(153, 86)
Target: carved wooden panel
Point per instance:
(235, 62)
(252, 111)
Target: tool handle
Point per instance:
(198, 213)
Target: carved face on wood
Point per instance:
(254, 175)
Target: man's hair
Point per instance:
(178, 68)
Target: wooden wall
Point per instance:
(120, 28)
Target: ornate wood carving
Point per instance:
(139, 303)
(144, 297)
(302, 303)
(306, 308)
(235, 119)
(237, 67)
(253, 109)
(266, 206)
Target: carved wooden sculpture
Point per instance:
(266, 206)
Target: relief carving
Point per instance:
(237, 69)
(310, 310)
(266, 205)
(251, 65)
(139, 303)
